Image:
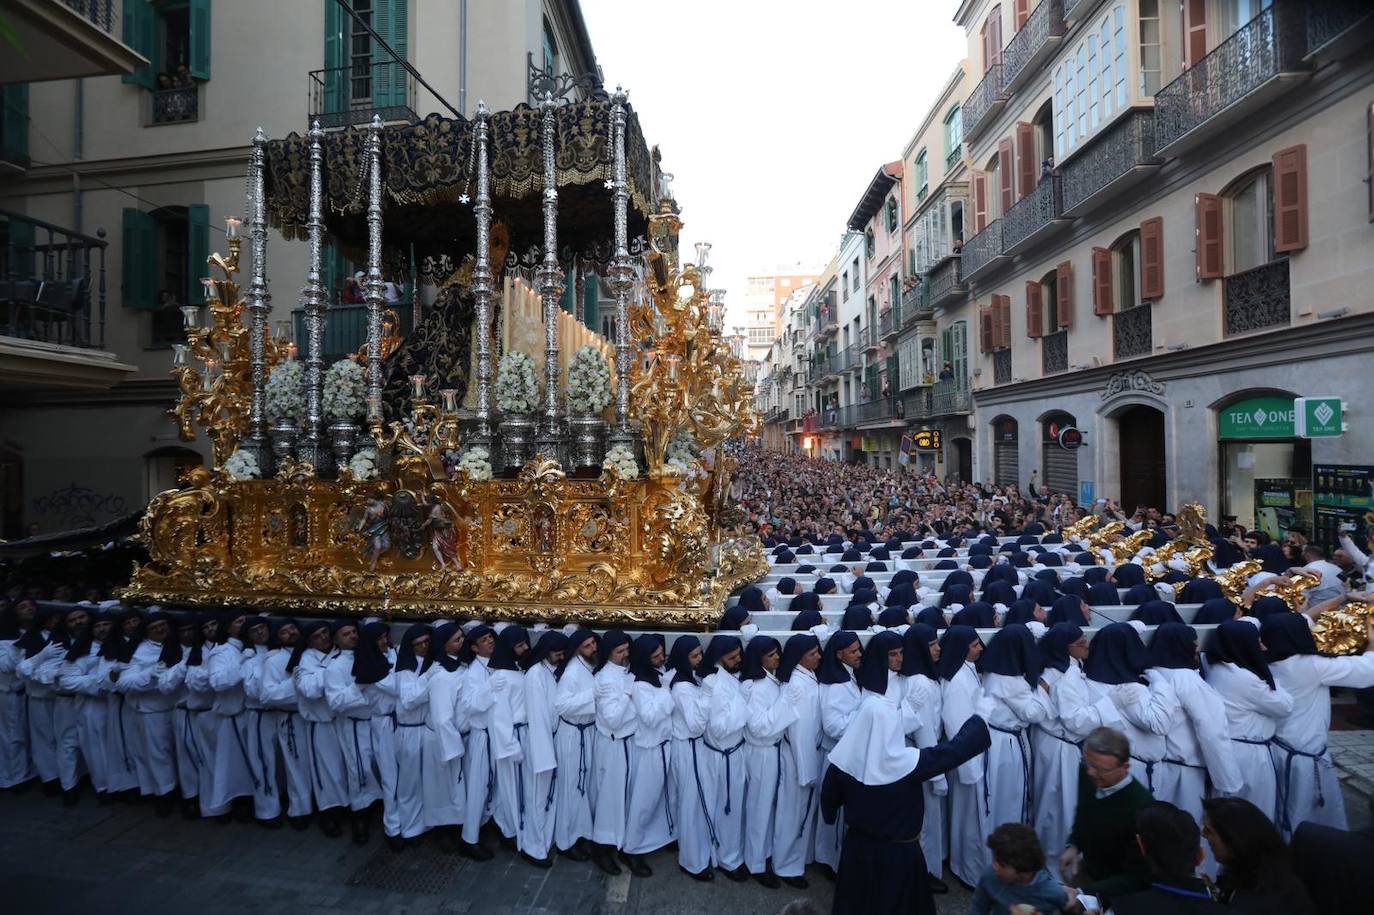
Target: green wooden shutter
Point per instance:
(14, 129)
(21, 249)
(139, 281)
(200, 39)
(568, 300)
(591, 303)
(391, 20)
(197, 250)
(894, 373)
(335, 78)
(140, 33)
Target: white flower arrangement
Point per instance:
(363, 465)
(476, 463)
(286, 390)
(345, 390)
(620, 461)
(242, 465)
(589, 381)
(682, 454)
(516, 391)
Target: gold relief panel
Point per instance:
(508, 527)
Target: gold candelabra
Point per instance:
(433, 430)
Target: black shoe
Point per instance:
(396, 843)
(52, 788)
(636, 865)
(330, 825)
(828, 872)
(508, 843)
(475, 851)
(163, 803)
(274, 823)
(103, 798)
(738, 875)
(190, 808)
(602, 859)
(705, 876)
(71, 798)
(768, 879)
(937, 886)
(576, 852)
(795, 882)
(299, 823)
(543, 863)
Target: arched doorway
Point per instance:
(1006, 468)
(963, 460)
(1058, 466)
(1143, 473)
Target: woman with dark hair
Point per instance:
(231, 772)
(686, 792)
(1214, 611)
(1256, 869)
(186, 742)
(800, 759)
(1157, 613)
(723, 770)
(479, 765)
(261, 723)
(1115, 670)
(769, 715)
(921, 693)
(575, 746)
(1069, 608)
(200, 699)
(373, 662)
(443, 794)
(840, 698)
(540, 765)
(649, 823)
(961, 690)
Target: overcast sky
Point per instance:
(773, 116)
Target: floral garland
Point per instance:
(476, 463)
(242, 465)
(285, 391)
(516, 391)
(620, 460)
(589, 381)
(345, 390)
(363, 465)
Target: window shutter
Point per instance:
(1022, 13)
(1194, 32)
(140, 34)
(1152, 258)
(334, 45)
(140, 261)
(197, 250)
(1209, 260)
(199, 64)
(980, 201)
(985, 329)
(1102, 282)
(1035, 310)
(389, 79)
(14, 126)
(995, 33)
(1025, 156)
(1004, 174)
(1002, 316)
(1063, 290)
(1290, 199)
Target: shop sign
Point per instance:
(1341, 498)
(870, 443)
(1319, 417)
(1257, 417)
(1070, 438)
(928, 440)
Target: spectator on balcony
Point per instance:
(947, 373)
(182, 78)
(353, 289)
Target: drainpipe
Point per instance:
(463, 57)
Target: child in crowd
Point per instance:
(1017, 883)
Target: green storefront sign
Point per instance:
(1257, 417)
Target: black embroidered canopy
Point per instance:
(427, 166)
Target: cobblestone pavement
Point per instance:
(122, 858)
(1353, 754)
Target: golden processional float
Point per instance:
(431, 509)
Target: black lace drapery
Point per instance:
(427, 166)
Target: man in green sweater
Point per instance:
(1103, 858)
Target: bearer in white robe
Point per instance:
(541, 761)
(615, 725)
(479, 766)
(121, 721)
(372, 671)
(692, 820)
(969, 810)
(922, 694)
(508, 731)
(308, 666)
(155, 757)
(840, 699)
(442, 769)
(1115, 668)
(353, 723)
(277, 691)
(74, 627)
(769, 717)
(1255, 705)
(723, 767)
(232, 773)
(412, 705)
(15, 765)
(1308, 789)
(649, 823)
(172, 682)
(80, 675)
(575, 746)
(200, 700)
(37, 672)
(1011, 679)
(261, 723)
(794, 819)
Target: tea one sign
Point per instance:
(1257, 417)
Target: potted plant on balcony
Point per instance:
(345, 387)
(285, 396)
(589, 392)
(517, 396)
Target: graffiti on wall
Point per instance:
(77, 506)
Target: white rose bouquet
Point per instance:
(683, 454)
(242, 465)
(345, 390)
(363, 465)
(620, 461)
(476, 463)
(286, 390)
(589, 381)
(516, 391)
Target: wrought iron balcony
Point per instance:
(950, 397)
(49, 279)
(1001, 367)
(1336, 27)
(983, 250)
(1034, 217)
(561, 86)
(868, 339)
(919, 404)
(1261, 60)
(915, 304)
(945, 282)
(889, 323)
(1132, 333)
(342, 96)
(1112, 161)
(176, 106)
(345, 331)
(953, 156)
(1077, 10)
(886, 408)
(1033, 44)
(851, 357)
(1054, 353)
(1258, 298)
(99, 13)
(984, 102)
(826, 323)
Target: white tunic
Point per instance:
(508, 738)
(327, 770)
(15, 767)
(615, 723)
(261, 724)
(1010, 771)
(412, 705)
(649, 823)
(726, 717)
(232, 773)
(1146, 713)
(968, 794)
(38, 675)
(479, 766)
(81, 677)
(381, 702)
(839, 705)
(155, 756)
(1197, 743)
(1253, 713)
(799, 781)
(922, 697)
(441, 771)
(770, 715)
(277, 690)
(692, 817)
(575, 747)
(541, 760)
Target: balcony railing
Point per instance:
(1266, 47)
(868, 338)
(345, 328)
(953, 156)
(1113, 159)
(176, 106)
(849, 358)
(1001, 366)
(1076, 10)
(950, 396)
(1033, 216)
(341, 96)
(541, 82)
(1258, 298)
(918, 403)
(1132, 333)
(1054, 353)
(1033, 44)
(915, 304)
(945, 282)
(99, 13)
(1332, 20)
(986, 99)
(48, 278)
(983, 250)
(889, 322)
(884, 408)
